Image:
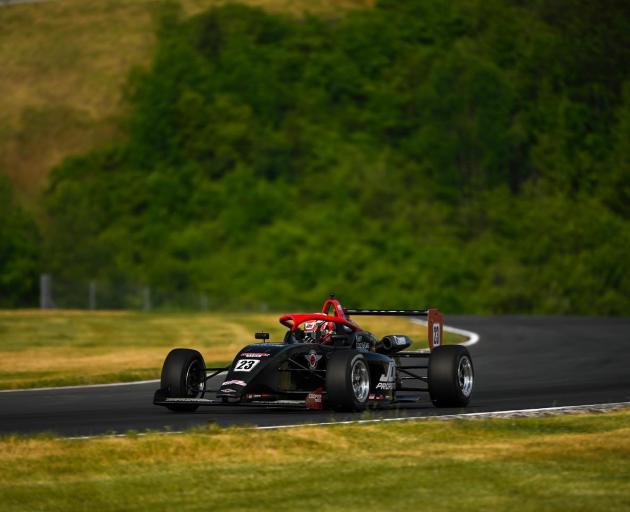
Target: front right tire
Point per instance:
(347, 381)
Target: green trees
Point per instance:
(19, 252)
(422, 152)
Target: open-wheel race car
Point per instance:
(325, 361)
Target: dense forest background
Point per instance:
(469, 155)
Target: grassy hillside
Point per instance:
(420, 152)
(473, 156)
(63, 67)
(40, 348)
(578, 463)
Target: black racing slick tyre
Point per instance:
(451, 376)
(347, 381)
(183, 376)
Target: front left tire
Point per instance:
(183, 376)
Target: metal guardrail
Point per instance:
(4, 3)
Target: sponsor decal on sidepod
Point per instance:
(387, 382)
(363, 344)
(313, 358)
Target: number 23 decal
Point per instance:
(245, 365)
(436, 335)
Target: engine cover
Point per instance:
(393, 343)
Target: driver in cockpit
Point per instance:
(312, 331)
(318, 331)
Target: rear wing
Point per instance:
(435, 320)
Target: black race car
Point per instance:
(325, 361)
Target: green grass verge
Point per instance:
(577, 463)
(60, 348)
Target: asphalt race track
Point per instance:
(520, 363)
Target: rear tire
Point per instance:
(347, 381)
(451, 376)
(183, 376)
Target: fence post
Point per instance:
(92, 295)
(203, 302)
(146, 298)
(45, 292)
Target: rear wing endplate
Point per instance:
(435, 320)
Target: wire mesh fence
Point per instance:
(63, 293)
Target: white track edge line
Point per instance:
(470, 415)
(511, 413)
(473, 338)
(86, 386)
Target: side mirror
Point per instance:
(261, 335)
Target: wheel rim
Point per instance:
(360, 380)
(465, 376)
(194, 381)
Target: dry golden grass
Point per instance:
(579, 462)
(45, 348)
(63, 65)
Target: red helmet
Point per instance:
(318, 331)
